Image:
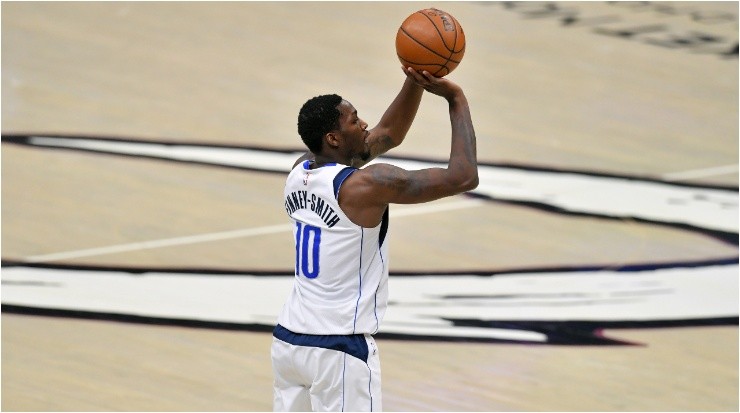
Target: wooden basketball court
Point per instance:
(642, 90)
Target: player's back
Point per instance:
(341, 269)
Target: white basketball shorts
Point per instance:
(325, 373)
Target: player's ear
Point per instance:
(332, 139)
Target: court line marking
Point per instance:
(224, 235)
(700, 173)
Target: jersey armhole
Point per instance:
(339, 179)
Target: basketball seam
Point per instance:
(449, 58)
(423, 64)
(452, 51)
(458, 29)
(440, 34)
(442, 66)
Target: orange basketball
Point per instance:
(431, 40)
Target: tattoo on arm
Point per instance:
(382, 145)
(399, 181)
(390, 177)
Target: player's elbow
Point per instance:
(466, 181)
(474, 182)
(470, 183)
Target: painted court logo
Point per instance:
(533, 305)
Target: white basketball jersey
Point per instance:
(341, 269)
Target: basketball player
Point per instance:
(323, 353)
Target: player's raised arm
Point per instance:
(392, 127)
(397, 119)
(368, 191)
(461, 174)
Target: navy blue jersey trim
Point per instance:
(383, 227)
(307, 164)
(354, 345)
(341, 176)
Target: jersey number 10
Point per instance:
(307, 242)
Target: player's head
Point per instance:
(318, 116)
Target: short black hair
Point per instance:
(318, 116)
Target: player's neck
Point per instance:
(321, 160)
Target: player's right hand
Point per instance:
(436, 85)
